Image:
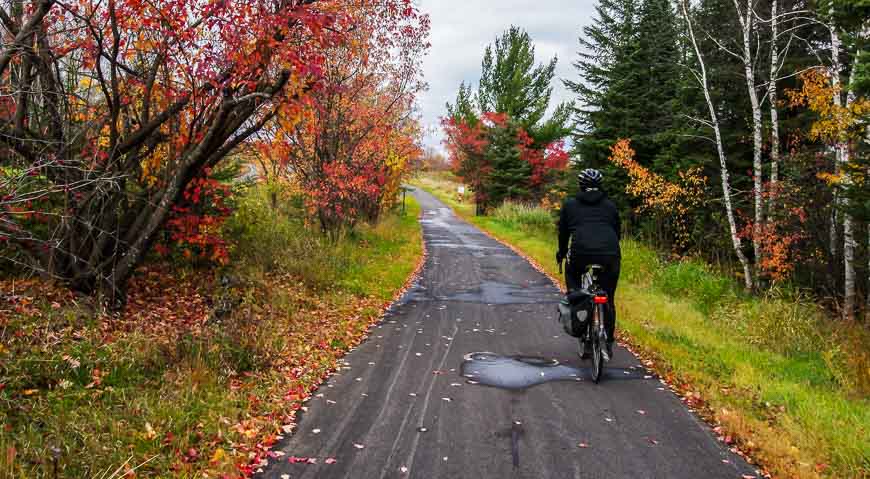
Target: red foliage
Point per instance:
(468, 141)
(195, 223)
(338, 195)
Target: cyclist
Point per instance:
(590, 221)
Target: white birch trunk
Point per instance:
(747, 22)
(850, 244)
(723, 164)
(772, 94)
(841, 150)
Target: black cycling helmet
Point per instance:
(590, 178)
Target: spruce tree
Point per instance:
(629, 87)
(509, 177)
(512, 83)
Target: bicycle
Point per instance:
(593, 329)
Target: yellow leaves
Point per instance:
(835, 121)
(149, 433)
(830, 178)
(674, 201)
(145, 45)
(218, 456)
(152, 163)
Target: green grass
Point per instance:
(189, 403)
(762, 364)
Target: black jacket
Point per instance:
(591, 221)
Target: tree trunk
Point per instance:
(747, 23)
(842, 153)
(723, 164)
(772, 95)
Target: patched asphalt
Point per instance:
(417, 399)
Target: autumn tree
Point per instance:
(111, 110)
(499, 139)
(350, 145)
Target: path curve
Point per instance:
(400, 406)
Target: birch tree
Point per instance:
(701, 76)
(841, 152)
(748, 29)
(772, 95)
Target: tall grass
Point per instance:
(525, 216)
(279, 240)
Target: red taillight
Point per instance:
(600, 300)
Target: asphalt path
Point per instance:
(415, 400)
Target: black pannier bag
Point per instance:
(574, 309)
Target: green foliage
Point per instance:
(464, 110)
(695, 282)
(509, 176)
(512, 84)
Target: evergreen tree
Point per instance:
(508, 116)
(509, 177)
(629, 87)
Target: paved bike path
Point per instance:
(401, 407)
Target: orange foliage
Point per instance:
(673, 201)
(835, 123)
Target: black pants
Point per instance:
(607, 279)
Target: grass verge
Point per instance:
(761, 370)
(204, 371)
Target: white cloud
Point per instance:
(461, 29)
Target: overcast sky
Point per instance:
(461, 29)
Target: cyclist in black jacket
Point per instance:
(590, 221)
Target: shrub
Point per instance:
(277, 240)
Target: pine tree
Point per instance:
(509, 177)
(516, 91)
(629, 87)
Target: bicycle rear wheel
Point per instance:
(597, 344)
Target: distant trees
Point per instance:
(498, 138)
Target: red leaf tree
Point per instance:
(350, 146)
(469, 143)
(114, 107)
